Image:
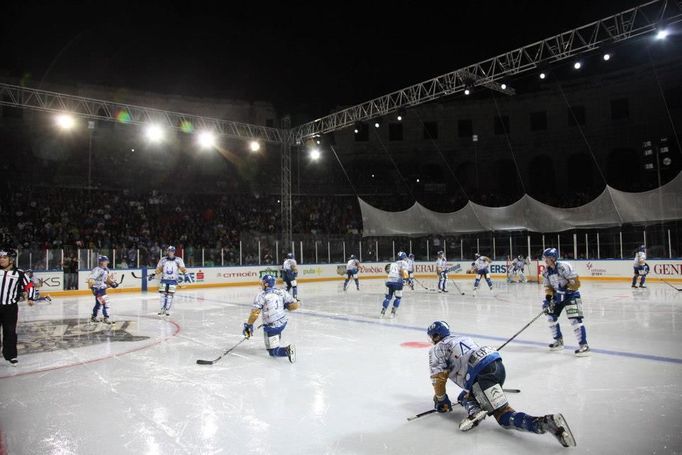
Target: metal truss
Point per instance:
(627, 24)
(42, 100)
(285, 190)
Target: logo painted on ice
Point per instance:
(64, 334)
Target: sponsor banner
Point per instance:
(49, 281)
(234, 275)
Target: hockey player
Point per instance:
(480, 268)
(99, 280)
(641, 267)
(442, 271)
(410, 271)
(273, 303)
(479, 371)
(289, 274)
(352, 268)
(561, 291)
(36, 285)
(517, 266)
(169, 269)
(397, 273)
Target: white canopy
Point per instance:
(611, 208)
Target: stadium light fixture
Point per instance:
(254, 146)
(206, 139)
(662, 34)
(467, 91)
(400, 118)
(356, 130)
(314, 154)
(377, 124)
(577, 65)
(607, 57)
(543, 75)
(154, 133)
(65, 121)
(503, 86)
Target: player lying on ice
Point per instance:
(479, 371)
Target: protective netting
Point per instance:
(611, 208)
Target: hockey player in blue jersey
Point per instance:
(641, 267)
(397, 273)
(442, 271)
(274, 304)
(352, 269)
(289, 274)
(561, 292)
(479, 371)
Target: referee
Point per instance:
(13, 283)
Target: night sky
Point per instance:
(305, 58)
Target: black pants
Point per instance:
(491, 375)
(8, 320)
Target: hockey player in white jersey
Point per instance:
(273, 303)
(410, 271)
(442, 271)
(289, 274)
(480, 267)
(516, 269)
(561, 284)
(169, 269)
(99, 280)
(397, 274)
(641, 267)
(352, 270)
(479, 371)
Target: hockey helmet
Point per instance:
(402, 255)
(103, 259)
(268, 281)
(551, 253)
(439, 329)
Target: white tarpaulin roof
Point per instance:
(611, 208)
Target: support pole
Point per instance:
(240, 253)
(670, 246)
(360, 254)
(300, 244)
(376, 249)
(598, 251)
(620, 236)
(461, 249)
(329, 252)
(259, 252)
(528, 236)
(575, 245)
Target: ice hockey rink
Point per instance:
(136, 389)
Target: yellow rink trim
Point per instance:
(339, 278)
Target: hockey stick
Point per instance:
(675, 288)
(431, 411)
(458, 288)
(211, 362)
(524, 328)
(420, 284)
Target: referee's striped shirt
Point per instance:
(13, 282)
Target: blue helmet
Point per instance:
(171, 249)
(551, 253)
(402, 255)
(642, 248)
(411, 256)
(102, 259)
(439, 329)
(352, 256)
(290, 255)
(268, 281)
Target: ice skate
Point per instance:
(582, 351)
(473, 420)
(291, 353)
(556, 424)
(557, 345)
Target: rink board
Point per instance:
(205, 277)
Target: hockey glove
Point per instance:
(248, 330)
(94, 291)
(548, 305)
(443, 404)
(113, 284)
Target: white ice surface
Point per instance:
(353, 386)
